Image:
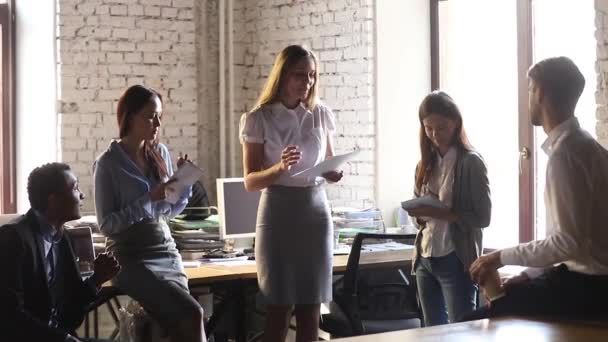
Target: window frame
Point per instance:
(527, 162)
(8, 198)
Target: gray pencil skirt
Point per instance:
(294, 244)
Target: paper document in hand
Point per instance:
(186, 175)
(429, 200)
(327, 165)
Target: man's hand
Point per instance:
(484, 266)
(105, 268)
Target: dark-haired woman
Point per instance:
(131, 179)
(449, 239)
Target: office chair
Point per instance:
(361, 306)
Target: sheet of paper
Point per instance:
(326, 165)
(235, 261)
(186, 175)
(191, 263)
(429, 200)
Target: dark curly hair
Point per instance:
(43, 181)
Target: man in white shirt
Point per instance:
(568, 270)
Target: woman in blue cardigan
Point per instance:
(449, 238)
(131, 180)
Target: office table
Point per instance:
(235, 276)
(217, 271)
(496, 329)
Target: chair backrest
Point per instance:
(351, 275)
(81, 239)
(377, 294)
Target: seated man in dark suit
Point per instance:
(42, 295)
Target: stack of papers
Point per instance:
(429, 200)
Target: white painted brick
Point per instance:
(72, 20)
(329, 43)
(136, 10)
(68, 157)
(152, 11)
(187, 37)
(169, 58)
(143, 70)
(183, 3)
(69, 132)
(115, 57)
(344, 41)
(190, 131)
(118, 10)
(169, 12)
(102, 9)
(185, 14)
(119, 69)
(164, 3)
(137, 34)
(343, 16)
(304, 20)
(93, 20)
(120, 33)
(151, 57)
(331, 55)
(133, 57)
(172, 132)
(74, 144)
(156, 24)
(116, 21)
(153, 47)
(118, 82)
(70, 9)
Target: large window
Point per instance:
(477, 70)
(8, 198)
(483, 51)
(577, 41)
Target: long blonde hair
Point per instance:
(283, 63)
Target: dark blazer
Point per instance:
(25, 302)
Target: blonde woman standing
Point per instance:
(288, 131)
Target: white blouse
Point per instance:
(276, 126)
(436, 238)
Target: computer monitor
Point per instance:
(237, 208)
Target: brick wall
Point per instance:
(340, 32)
(104, 46)
(601, 22)
(173, 45)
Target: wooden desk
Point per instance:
(499, 329)
(213, 272)
(209, 274)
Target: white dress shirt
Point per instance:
(576, 200)
(277, 126)
(436, 238)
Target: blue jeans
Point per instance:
(443, 280)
